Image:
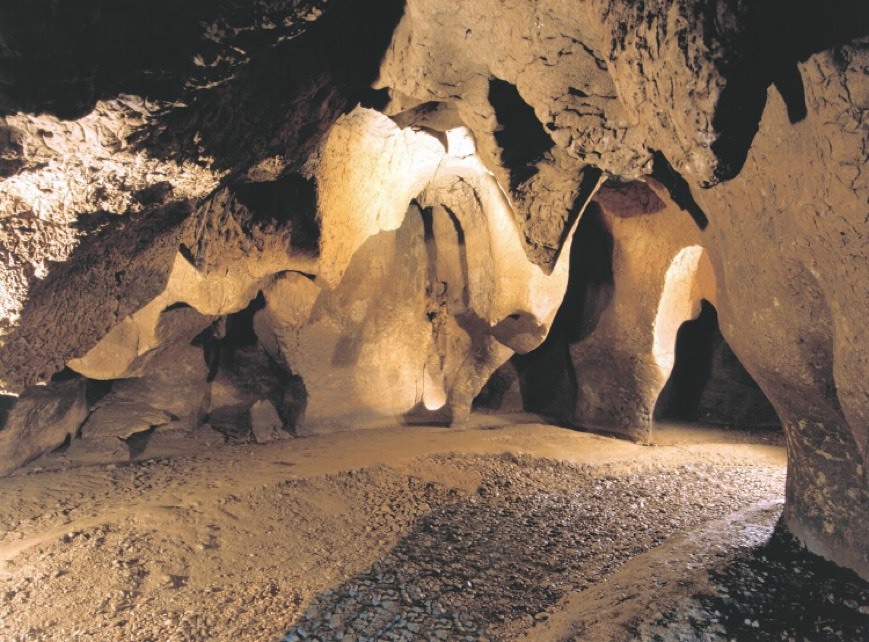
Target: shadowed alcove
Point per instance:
(708, 384)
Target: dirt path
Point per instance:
(459, 534)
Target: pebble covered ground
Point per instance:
(438, 547)
(489, 565)
(778, 592)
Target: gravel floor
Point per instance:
(435, 547)
(778, 591)
(488, 566)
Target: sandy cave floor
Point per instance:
(496, 532)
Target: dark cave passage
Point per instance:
(708, 384)
(546, 377)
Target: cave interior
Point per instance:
(401, 267)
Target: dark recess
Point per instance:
(291, 198)
(522, 138)
(154, 194)
(137, 443)
(222, 338)
(239, 331)
(6, 404)
(678, 188)
(590, 178)
(692, 368)
(67, 441)
(96, 389)
(231, 347)
(177, 306)
(285, 99)
(591, 282)
(66, 374)
(709, 384)
(255, 93)
(547, 379)
(775, 36)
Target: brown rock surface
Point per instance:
(41, 419)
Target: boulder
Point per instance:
(41, 419)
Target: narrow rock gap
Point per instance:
(290, 199)
(708, 384)
(545, 380)
(521, 136)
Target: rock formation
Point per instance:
(304, 216)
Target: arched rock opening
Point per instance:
(544, 381)
(708, 384)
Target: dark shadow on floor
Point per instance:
(488, 564)
(780, 591)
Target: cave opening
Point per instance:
(708, 384)
(521, 136)
(548, 379)
(544, 381)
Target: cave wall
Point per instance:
(398, 185)
(804, 205)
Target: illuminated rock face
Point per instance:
(423, 287)
(363, 216)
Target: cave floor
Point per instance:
(500, 531)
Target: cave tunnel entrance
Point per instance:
(708, 384)
(548, 379)
(545, 381)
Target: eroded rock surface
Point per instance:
(43, 418)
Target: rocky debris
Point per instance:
(265, 423)
(487, 566)
(740, 577)
(777, 591)
(41, 419)
(213, 547)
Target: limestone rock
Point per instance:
(41, 419)
(802, 339)
(265, 423)
(122, 419)
(422, 315)
(369, 172)
(174, 390)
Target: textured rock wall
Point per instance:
(790, 247)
